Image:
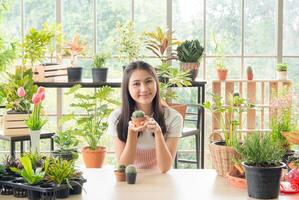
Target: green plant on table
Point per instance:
(60, 171)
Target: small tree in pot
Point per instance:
(189, 53)
(262, 161)
(99, 72)
(91, 124)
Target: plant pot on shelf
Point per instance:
(34, 140)
(263, 182)
(99, 74)
(282, 75)
(222, 157)
(222, 74)
(94, 158)
(192, 68)
(74, 74)
(120, 176)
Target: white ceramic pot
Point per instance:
(282, 75)
(34, 139)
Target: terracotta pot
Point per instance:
(120, 176)
(235, 179)
(249, 77)
(181, 108)
(93, 158)
(192, 69)
(222, 74)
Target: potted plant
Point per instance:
(128, 41)
(92, 124)
(138, 117)
(99, 72)
(131, 174)
(220, 65)
(222, 152)
(35, 122)
(189, 53)
(74, 48)
(120, 173)
(282, 71)
(67, 144)
(249, 72)
(262, 161)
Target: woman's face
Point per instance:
(142, 87)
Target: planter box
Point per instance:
(14, 124)
(50, 73)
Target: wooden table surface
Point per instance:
(177, 184)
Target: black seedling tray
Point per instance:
(42, 191)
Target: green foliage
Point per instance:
(249, 70)
(37, 160)
(35, 44)
(34, 121)
(100, 60)
(121, 168)
(131, 169)
(281, 67)
(66, 140)
(7, 53)
(60, 171)
(129, 42)
(190, 51)
(219, 51)
(8, 91)
(95, 109)
(229, 114)
(138, 114)
(260, 150)
(56, 41)
(2, 169)
(31, 176)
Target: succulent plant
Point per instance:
(190, 51)
(121, 168)
(282, 67)
(131, 169)
(138, 114)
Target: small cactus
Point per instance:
(131, 169)
(249, 73)
(121, 168)
(138, 114)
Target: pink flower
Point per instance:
(41, 90)
(36, 99)
(42, 96)
(21, 92)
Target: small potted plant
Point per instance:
(189, 53)
(120, 173)
(249, 72)
(262, 161)
(74, 48)
(282, 71)
(220, 65)
(138, 117)
(99, 72)
(131, 174)
(67, 144)
(91, 125)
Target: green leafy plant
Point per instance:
(8, 91)
(219, 50)
(30, 175)
(35, 44)
(37, 160)
(260, 150)
(129, 42)
(190, 51)
(100, 60)
(282, 67)
(60, 171)
(94, 109)
(7, 53)
(56, 43)
(229, 114)
(10, 162)
(66, 140)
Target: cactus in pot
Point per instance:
(120, 174)
(138, 117)
(249, 71)
(131, 174)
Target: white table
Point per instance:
(177, 184)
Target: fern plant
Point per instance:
(190, 51)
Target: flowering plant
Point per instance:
(74, 48)
(34, 121)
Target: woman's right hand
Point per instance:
(132, 127)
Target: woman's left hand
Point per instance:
(153, 126)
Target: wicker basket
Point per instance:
(222, 157)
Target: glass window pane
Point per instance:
(293, 71)
(12, 19)
(291, 27)
(263, 68)
(37, 12)
(224, 19)
(259, 27)
(77, 18)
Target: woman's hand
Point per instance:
(153, 126)
(136, 129)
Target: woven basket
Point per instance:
(222, 157)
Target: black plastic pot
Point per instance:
(34, 195)
(63, 155)
(77, 185)
(263, 182)
(18, 191)
(131, 178)
(99, 74)
(6, 189)
(63, 193)
(74, 74)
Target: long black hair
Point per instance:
(128, 103)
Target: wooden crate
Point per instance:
(49, 73)
(14, 124)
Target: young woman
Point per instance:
(153, 144)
